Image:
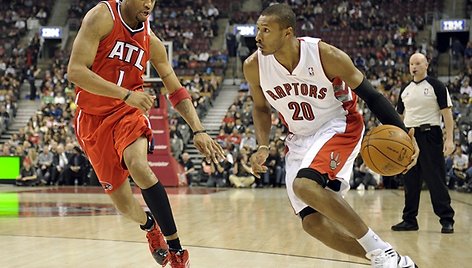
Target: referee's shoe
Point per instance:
(447, 228)
(405, 226)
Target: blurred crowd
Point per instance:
(16, 58)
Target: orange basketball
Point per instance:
(387, 150)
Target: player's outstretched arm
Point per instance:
(261, 115)
(336, 63)
(181, 101)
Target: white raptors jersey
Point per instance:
(305, 98)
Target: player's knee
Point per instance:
(136, 166)
(313, 224)
(124, 208)
(303, 185)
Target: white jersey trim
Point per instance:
(124, 23)
(109, 8)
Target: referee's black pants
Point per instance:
(430, 168)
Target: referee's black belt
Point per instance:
(425, 127)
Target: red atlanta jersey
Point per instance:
(121, 58)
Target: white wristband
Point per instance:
(263, 147)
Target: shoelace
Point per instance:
(379, 260)
(178, 259)
(178, 256)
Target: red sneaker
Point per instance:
(158, 245)
(179, 259)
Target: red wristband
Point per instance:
(179, 95)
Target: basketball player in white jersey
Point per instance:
(303, 78)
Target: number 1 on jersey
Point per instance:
(120, 78)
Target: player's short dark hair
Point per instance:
(283, 14)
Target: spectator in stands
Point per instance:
(14, 140)
(362, 175)
(307, 27)
(468, 54)
(318, 9)
(238, 124)
(4, 116)
(274, 164)
(243, 51)
(466, 89)
(206, 171)
(33, 157)
(42, 16)
(6, 150)
(60, 163)
(76, 170)
(222, 138)
(176, 145)
(28, 176)
(235, 138)
(219, 174)
(189, 168)
(45, 164)
(460, 163)
(31, 75)
(231, 44)
(241, 177)
(212, 11)
(229, 117)
(243, 86)
(248, 141)
(360, 62)
(457, 53)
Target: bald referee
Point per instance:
(422, 103)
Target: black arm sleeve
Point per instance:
(379, 105)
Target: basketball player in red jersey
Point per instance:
(107, 62)
(303, 78)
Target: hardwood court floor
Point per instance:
(78, 227)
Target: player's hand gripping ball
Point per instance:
(387, 150)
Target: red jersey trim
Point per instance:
(337, 150)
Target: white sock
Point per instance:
(371, 241)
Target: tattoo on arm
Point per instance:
(167, 74)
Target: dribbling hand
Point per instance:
(257, 161)
(208, 147)
(141, 100)
(416, 153)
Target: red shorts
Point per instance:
(104, 138)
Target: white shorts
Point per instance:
(332, 150)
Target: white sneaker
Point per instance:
(406, 262)
(389, 258)
(384, 258)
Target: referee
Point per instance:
(422, 103)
